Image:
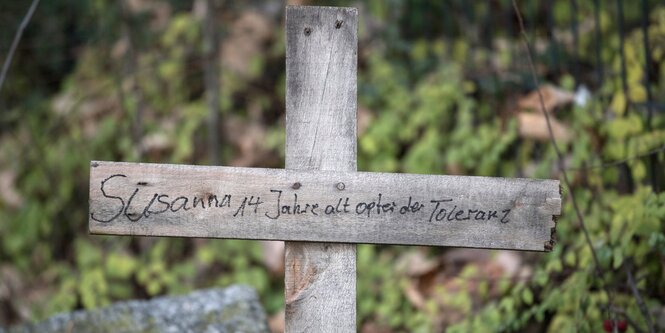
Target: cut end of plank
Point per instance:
(549, 245)
(555, 206)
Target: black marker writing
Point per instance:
(122, 202)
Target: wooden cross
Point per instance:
(319, 204)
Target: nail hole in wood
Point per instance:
(296, 185)
(338, 24)
(340, 186)
(307, 31)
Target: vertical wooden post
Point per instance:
(321, 65)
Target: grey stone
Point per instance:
(234, 309)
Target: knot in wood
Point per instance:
(296, 185)
(338, 24)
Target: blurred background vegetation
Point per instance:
(444, 88)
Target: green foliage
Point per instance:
(434, 126)
(433, 108)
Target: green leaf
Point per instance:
(120, 266)
(527, 296)
(617, 255)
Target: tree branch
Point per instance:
(17, 39)
(559, 155)
(211, 59)
(636, 293)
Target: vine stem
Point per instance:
(559, 155)
(636, 293)
(17, 39)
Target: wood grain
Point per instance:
(321, 61)
(191, 202)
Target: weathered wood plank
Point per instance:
(221, 202)
(321, 61)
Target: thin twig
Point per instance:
(653, 160)
(17, 39)
(598, 36)
(636, 293)
(560, 159)
(622, 54)
(211, 59)
(131, 67)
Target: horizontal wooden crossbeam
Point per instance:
(322, 206)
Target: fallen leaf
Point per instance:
(12, 292)
(416, 263)
(553, 98)
(158, 12)
(365, 117)
(273, 257)
(372, 327)
(509, 261)
(296, 2)
(534, 126)
(414, 295)
(10, 282)
(8, 192)
(247, 39)
(249, 139)
(276, 322)
(461, 257)
(156, 143)
(454, 169)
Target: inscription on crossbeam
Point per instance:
(283, 202)
(226, 202)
